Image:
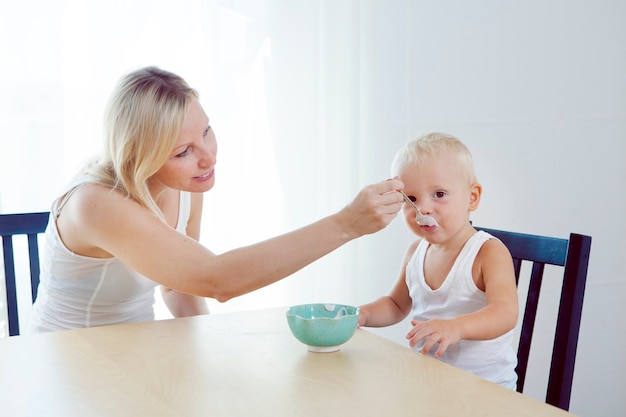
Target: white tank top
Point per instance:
(493, 359)
(78, 291)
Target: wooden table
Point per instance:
(236, 364)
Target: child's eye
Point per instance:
(413, 199)
(440, 194)
(206, 131)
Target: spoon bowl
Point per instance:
(420, 219)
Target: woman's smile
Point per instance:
(205, 176)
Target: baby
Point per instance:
(457, 283)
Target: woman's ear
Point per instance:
(476, 191)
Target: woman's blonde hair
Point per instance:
(424, 147)
(142, 122)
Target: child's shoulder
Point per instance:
(493, 247)
(413, 247)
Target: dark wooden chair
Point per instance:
(573, 255)
(29, 224)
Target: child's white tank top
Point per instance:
(494, 359)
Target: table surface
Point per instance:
(236, 364)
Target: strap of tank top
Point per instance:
(60, 202)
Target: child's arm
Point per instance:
(394, 307)
(494, 265)
(493, 270)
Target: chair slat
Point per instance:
(29, 224)
(33, 255)
(10, 285)
(517, 267)
(528, 323)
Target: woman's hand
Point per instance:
(373, 208)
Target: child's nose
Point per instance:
(424, 208)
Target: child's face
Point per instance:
(439, 188)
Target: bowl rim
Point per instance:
(290, 313)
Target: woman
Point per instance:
(131, 219)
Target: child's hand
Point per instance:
(362, 319)
(443, 332)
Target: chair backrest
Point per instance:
(573, 255)
(29, 224)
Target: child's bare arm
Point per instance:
(394, 307)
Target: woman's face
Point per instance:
(191, 165)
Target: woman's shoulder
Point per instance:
(93, 196)
(82, 213)
(95, 215)
(91, 202)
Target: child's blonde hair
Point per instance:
(424, 147)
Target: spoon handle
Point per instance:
(419, 217)
(407, 199)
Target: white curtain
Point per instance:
(279, 80)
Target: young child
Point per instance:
(457, 283)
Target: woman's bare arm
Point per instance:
(181, 304)
(105, 220)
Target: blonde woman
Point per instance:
(131, 219)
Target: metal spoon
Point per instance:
(419, 217)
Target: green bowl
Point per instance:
(323, 327)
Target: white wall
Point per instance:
(538, 92)
(311, 100)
